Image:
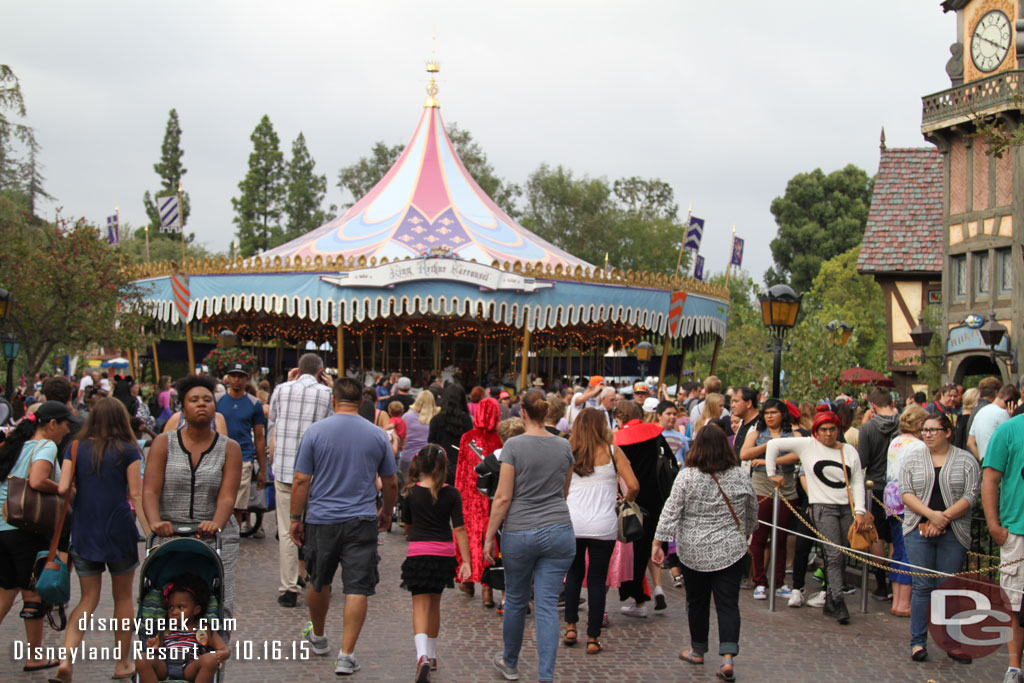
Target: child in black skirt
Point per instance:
(432, 513)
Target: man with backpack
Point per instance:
(873, 448)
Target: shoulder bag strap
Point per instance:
(64, 508)
(728, 503)
(846, 476)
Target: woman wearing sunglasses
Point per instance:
(939, 490)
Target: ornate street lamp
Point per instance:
(644, 353)
(839, 331)
(11, 348)
(780, 306)
(992, 333)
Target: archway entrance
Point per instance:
(973, 369)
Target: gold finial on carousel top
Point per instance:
(433, 67)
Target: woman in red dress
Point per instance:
(475, 445)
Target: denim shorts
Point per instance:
(353, 545)
(85, 567)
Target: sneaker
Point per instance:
(423, 670)
(783, 591)
(842, 614)
(1013, 676)
(677, 581)
(501, 607)
(812, 557)
(848, 589)
(817, 600)
(510, 673)
(345, 665)
(638, 611)
(659, 602)
(287, 599)
(796, 597)
(882, 594)
(829, 608)
(819, 575)
(319, 643)
(433, 663)
(760, 593)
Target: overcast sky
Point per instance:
(725, 101)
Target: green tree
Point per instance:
(820, 216)
(21, 178)
(259, 207)
(305, 193)
(70, 289)
(171, 170)
(133, 247)
(359, 178)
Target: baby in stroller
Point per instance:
(188, 650)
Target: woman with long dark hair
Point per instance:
(710, 512)
(103, 535)
(192, 477)
(774, 422)
(451, 423)
(537, 540)
(29, 452)
(592, 497)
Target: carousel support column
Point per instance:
(401, 352)
(373, 351)
(156, 364)
(191, 351)
(340, 348)
(526, 358)
(665, 346)
(714, 355)
(386, 352)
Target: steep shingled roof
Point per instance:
(904, 229)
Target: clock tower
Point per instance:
(983, 194)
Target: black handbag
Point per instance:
(630, 515)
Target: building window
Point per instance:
(1004, 260)
(959, 276)
(981, 274)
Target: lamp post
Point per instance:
(644, 353)
(780, 306)
(839, 331)
(11, 347)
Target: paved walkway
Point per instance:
(788, 645)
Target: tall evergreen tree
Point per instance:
(305, 193)
(171, 170)
(20, 179)
(259, 207)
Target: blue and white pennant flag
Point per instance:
(694, 233)
(113, 230)
(698, 269)
(170, 213)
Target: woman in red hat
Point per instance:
(834, 475)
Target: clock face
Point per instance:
(990, 41)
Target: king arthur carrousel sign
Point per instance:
(411, 270)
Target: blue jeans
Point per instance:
(542, 556)
(941, 553)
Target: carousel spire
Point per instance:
(433, 67)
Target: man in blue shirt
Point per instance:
(243, 414)
(335, 488)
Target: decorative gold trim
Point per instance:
(975, 13)
(614, 276)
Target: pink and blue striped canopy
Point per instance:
(427, 201)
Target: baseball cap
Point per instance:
(596, 380)
(504, 394)
(641, 386)
(239, 368)
(404, 383)
(651, 404)
(52, 410)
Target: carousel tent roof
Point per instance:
(427, 201)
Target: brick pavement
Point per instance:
(789, 645)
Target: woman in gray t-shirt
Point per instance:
(537, 539)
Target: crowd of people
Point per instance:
(532, 494)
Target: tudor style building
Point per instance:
(982, 195)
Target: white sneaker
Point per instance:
(796, 598)
(345, 665)
(818, 600)
(760, 593)
(638, 611)
(317, 643)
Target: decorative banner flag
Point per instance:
(182, 297)
(737, 251)
(113, 231)
(675, 313)
(170, 213)
(698, 269)
(694, 233)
